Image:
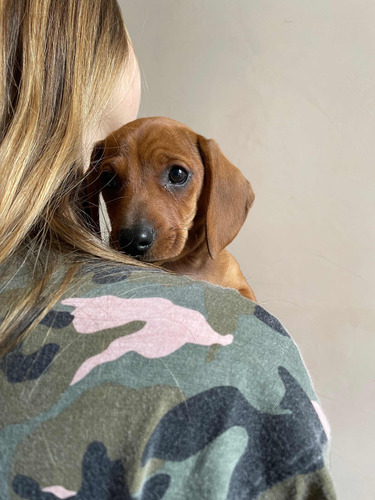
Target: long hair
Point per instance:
(60, 61)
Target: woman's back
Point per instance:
(140, 384)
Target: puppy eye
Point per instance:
(108, 180)
(178, 175)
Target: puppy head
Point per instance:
(165, 189)
(150, 175)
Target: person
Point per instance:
(120, 380)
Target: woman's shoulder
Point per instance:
(152, 314)
(188, 367)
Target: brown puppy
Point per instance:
(172, 198)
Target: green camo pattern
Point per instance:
(145, 385)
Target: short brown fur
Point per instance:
(191, 223)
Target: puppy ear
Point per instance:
(229, 196)
(92, 188)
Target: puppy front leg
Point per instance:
(223, 271)
(229, 273)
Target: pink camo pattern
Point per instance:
(168, 327)
(59, 491)
(323, 419)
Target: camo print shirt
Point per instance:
(144, 385)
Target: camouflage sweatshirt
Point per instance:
(144, 385)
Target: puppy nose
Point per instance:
(135, 241)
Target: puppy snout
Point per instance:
(136, 240)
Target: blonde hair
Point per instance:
(60, 62)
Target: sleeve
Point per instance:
(145, 386)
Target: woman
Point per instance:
(121, 381)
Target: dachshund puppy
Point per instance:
(173, 199)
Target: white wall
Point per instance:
(287, 88)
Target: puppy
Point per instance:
(173, 199)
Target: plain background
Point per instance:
(287, 88)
